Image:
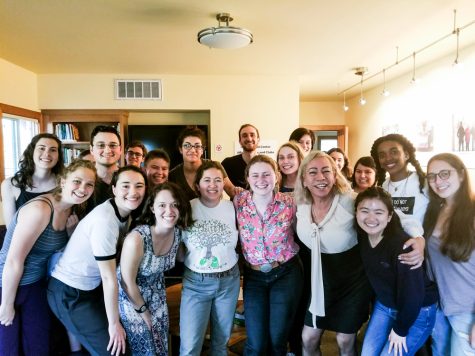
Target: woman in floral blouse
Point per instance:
(273, 274)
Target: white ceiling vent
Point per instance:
(138, 89)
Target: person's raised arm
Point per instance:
(8, 201)
(117, 343)
(32, 220)
(130, 259)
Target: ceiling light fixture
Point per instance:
(385, 92)
(225, 37)
(414, 80)
(361, 71)
(456, 62)
(345, 107)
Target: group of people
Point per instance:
(318, 244)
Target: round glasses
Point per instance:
(188, 146)
(443, 174)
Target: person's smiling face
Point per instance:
(393, 159)
(261, 178)
(319, 177)
(288, 161)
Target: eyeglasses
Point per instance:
(443, 174)
(188, 146)
(102, 145)
(134, 154)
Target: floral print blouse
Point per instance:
(268, 239)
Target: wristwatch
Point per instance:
(142, 309)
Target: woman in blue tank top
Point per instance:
(37, 230)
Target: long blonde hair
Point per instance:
(302, 194)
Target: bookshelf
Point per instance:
(74, 127)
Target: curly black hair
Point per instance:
(24, 177)
(408, 147)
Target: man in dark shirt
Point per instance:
(236, 165)
(105, 147)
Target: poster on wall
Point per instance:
(424, 136)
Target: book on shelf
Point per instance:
(67, 132)
(69, 154)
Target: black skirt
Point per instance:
(347, 293)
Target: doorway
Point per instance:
(329, 136)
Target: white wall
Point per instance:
(443, 95)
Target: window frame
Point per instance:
(17, 111)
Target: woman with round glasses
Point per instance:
(449, 226)
(191, 143)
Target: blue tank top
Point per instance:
(36, 262)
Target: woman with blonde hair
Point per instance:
(36, 232)
(340, 291)
(289, 157)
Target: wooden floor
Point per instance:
(238, 336)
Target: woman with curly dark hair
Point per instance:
(392, 153)
(41, 162)
(191, 143)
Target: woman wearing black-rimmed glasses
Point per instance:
(191, 142)
(449, 227)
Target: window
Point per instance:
(17, 134)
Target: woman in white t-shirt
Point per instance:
(211, 278)
(392, 153)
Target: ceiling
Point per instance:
(319, 41)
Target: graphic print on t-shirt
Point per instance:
(404, 204)
(205, 235)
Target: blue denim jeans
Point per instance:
(380, 325)
(270, 302)
(206, 298)
(451, 334)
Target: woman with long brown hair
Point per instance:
(449, 226)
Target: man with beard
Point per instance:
(236, 165)
(105, 147)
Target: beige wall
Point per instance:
(18, 86)
(321, 113)
(270, 103)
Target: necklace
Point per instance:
(397, 186)
(319, 214)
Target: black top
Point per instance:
(177, 175)
(235, 167)
(395, 284)
(26, 196)
(102, 192)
